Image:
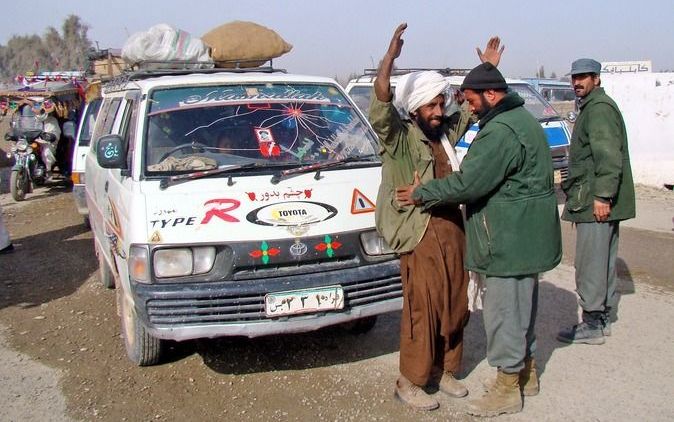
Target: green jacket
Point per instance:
(506, 182)
(599, 162)
(404, 149)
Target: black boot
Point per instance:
(606, 321)
(588, 332)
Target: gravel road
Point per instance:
(61, 357)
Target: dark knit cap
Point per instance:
(482, 77)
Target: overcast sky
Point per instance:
(336, 38)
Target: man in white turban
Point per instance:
(414, 90)
(431, 245)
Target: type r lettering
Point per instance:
(173, 222)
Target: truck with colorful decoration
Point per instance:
(42, 110)
(236, 202)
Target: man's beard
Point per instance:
(431, 133)
(486, 108)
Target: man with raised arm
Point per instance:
(513, 231)
(431, 245)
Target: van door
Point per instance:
(118, 191)
(97, 176)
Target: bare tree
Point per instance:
(54, 51)
(76, 43)
(23, 54)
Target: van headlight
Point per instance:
(180, 262)
(374, 244)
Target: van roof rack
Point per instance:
(154, 68)
(446, 71)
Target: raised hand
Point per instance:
(382, 85)
(396, 45)
(492, 53)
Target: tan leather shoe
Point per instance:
(528, 379)
(504, 397)
(450, 386)
(414, 396)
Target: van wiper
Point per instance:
(317, 167)
(178, 178)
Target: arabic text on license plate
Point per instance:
(558, 176)
(304, 301)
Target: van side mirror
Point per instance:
(69, 129)
(110, 152)
(571, 116)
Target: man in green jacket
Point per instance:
(600, 193)
(513, 231)
(431, 245)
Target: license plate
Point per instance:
(304, 301)
(558, 176)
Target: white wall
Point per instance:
(648, 111)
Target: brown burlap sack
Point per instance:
(247, 42)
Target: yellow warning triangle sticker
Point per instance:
(360, 203)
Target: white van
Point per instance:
(236, 203)
(80, 150)
(559, 136)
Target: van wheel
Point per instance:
(105, 273)
(141, 347)
(361, 326)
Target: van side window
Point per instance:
(107, 116)
(88, 122)
(128, 129)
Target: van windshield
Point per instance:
(533, 101)
(273, 124)
(558, 94)
(361, 95)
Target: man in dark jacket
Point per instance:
(431, 244)
(512, 231)
(600, 193)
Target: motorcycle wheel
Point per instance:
(18, 184)
(141, 348)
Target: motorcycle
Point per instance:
(28, 169)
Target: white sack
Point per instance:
(165, 43)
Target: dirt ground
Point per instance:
(61, 356)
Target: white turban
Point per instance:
(419, 88)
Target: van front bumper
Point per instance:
(236, 308)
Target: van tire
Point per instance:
(141, 347)
(105, 273)
(361, 326)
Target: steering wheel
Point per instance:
(181, 147)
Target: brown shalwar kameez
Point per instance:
(435, 306)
